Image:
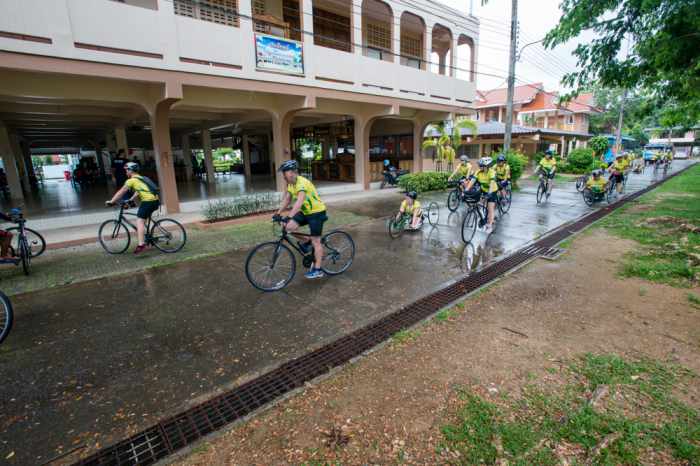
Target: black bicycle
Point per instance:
(505, 197)
(544, 189)
(6, 316)
(476, 216)
(166, 234)
(271, 266)
(26, 243)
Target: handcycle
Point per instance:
(26, 243)
(543, 190)
(166, 234)
(6, 316)
(270, 266)
(399, 223)
(591, 197)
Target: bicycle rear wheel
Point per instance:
(338, 252)
(25, 256)
(168, 235)
(504, 201)
(396, 227)
(433, 213)
(114, 237)
(36, 242)
(270, 266)
(453, 200)
(469, 224)
(610, 195)
(6, 316)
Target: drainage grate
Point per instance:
(175, 433)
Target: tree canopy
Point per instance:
(664, 50)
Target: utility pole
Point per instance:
(511, 76)
(618, 138)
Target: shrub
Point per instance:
(424, 181)
(517, 162)
(580, 160)
(238, 207)
(599, 144)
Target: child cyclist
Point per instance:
(411, 206)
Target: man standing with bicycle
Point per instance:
(149, 201)
(308, 209)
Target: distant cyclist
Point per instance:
(617, 172)
(548, 167)
(149, 200)
(502, 169)
(308, 209)
(462, 173)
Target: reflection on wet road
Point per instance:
(89, 364)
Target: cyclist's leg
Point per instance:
(491, 208)
(415, 221)
(316, 222)
(145, 211)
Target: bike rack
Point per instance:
(177, 432)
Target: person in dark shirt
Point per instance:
(118, 168)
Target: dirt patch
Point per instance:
(389, 408)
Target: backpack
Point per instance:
(152, 187)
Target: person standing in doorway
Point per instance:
(119, 168)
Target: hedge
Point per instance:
(424, 181)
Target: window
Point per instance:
(331, 30)
(411, 47)
(378, 36)
(259, 7)
(216, 11)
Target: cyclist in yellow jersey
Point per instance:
(596, 183)
(486, 177)
(412, 207)
(463, 171)
(308, 209)
(617, 172)
(502, 173)
(146, 191)
(548, 167)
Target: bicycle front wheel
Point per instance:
(504, 202)
(541, 191)
(6, 316)
(25, 256)
(453, 200)
(469, 225)
(396, 227)
(610, 195)
(36, 242)
(270, 266)
(338, 252)
(433, 213)
(587, 197)
(114, 237)
(168, 235)
(581, 183)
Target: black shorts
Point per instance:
(314, 221)
(619, 178)
(146, 209)
(491, 197)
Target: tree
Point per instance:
(447, 141)
(664, 56)
(599, 144)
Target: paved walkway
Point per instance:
(89, 364)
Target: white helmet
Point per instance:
(485, 161)
(464, 158)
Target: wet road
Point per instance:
(88, 364)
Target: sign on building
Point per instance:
(279, 54)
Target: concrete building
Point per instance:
(167, 79)
(684, 143)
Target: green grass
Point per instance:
(694, 300)
(405, 336)
(72, 265)
(445, 315)
(661, 222)
(526, 430)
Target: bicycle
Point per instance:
(6, 316)
(26, 243)
(398, 224)
(590, 197)
(581, 182)
(504, 201)
(543, 190)
(166, 235)
(455, 196)
(611, 192)
(270, 266)
(476, 216)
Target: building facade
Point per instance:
(166, 75)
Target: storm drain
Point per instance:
(175, 433)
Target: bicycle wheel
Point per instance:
(338, 252)
(270, 266)
(396, 227)
(168, 235)
(610, 195)
(587, 197)
(504, 202)
(37, 244)
(541, 190)
(25, 256)
(433, 213)
(453, 200)
(581, 183)
(114, 237)
(6, 316)
(469, 225)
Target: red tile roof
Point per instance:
(533, 97)
(497, 97)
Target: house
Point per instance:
(684, 143)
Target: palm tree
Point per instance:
(446, 142)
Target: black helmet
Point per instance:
(289, 165)
(549, 152)
(501, 158)
(412, 194)
(597, 172)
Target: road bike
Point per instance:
(166, 234)
(544, 188)
(271, 266)
(475, 218)
(399, 223)
(26, 243)
(6, 316)
(505, 197)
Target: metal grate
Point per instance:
(175, 433)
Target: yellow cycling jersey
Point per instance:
(136, 184)
(487, 180)
(464, 170)
(502, 172)
(619, 166)
(410, 209)
(312, 202)
(548, 164)
(597, 185)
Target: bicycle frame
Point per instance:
(124, 217)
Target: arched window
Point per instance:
(466, 64)
(412, 41)
(377, 30)
(441, 55)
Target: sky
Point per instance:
(536, 18)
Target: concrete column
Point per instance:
(120, 136)
(307, 36)
(208, 157)
(455, 55)
(281, 127)
(418, 130)
(8, 158)
(270, 152)
(187, 157)
(21, 162)
(500, 114)
(356, 27)
(546, 121)
(245, 9)
(246, 160)
(27, 156)
(160, 132)
(361, 138)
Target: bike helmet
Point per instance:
(619, 154)
(412, 194)
(549, 152)
(132, 166)
(464, 158)
(386, 163)
(289, 165)
(485, 161)
(597, 173)
(501, 158)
